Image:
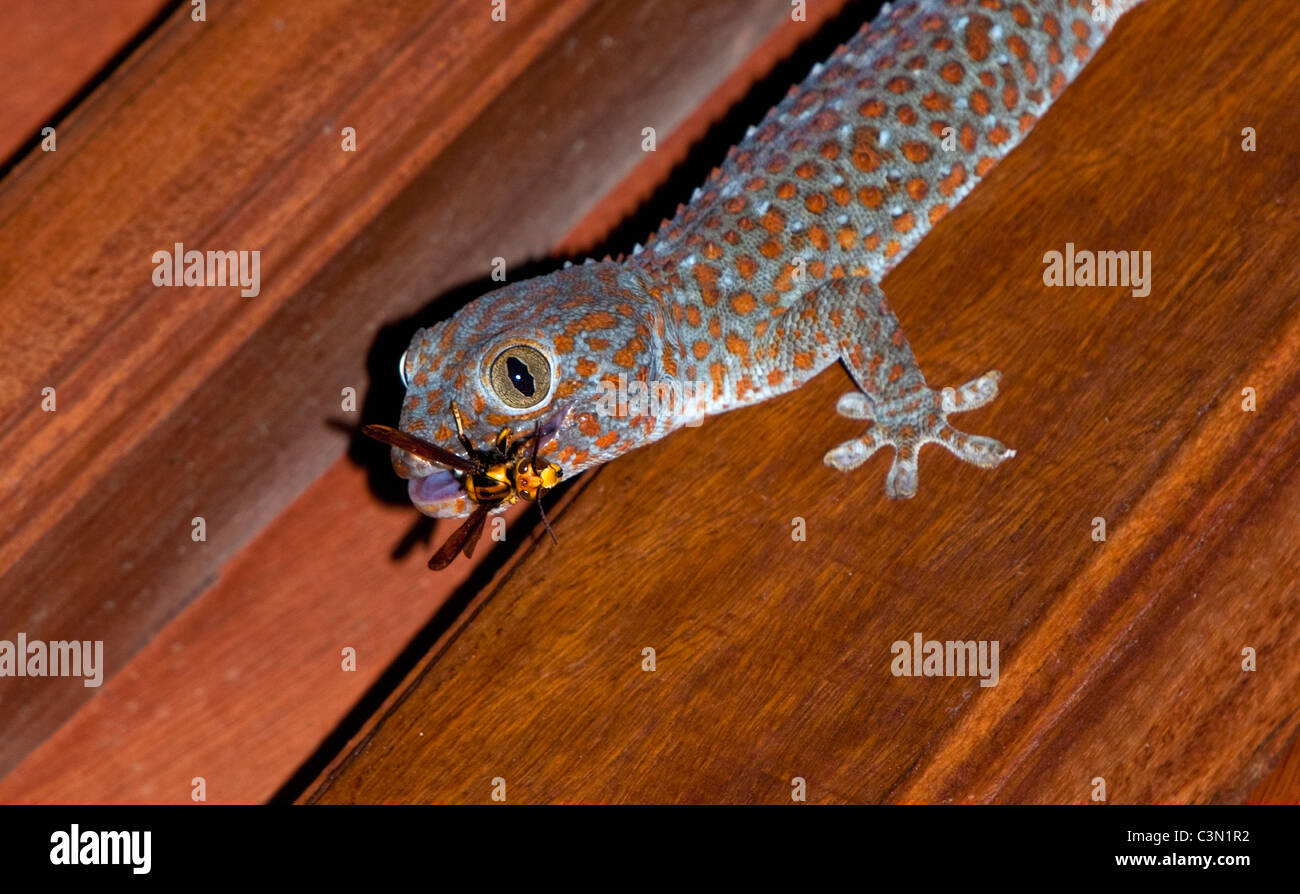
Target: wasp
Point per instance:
(498, 475)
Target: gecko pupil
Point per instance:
(520, 377)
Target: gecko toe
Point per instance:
(900, 484)
(975, 393)
(975, 449)
(854, 405)
(851, 454)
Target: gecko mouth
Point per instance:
(444, 489)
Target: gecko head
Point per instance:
(547, 353)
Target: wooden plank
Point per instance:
(468, 196)
(49, 51)
(1120, 659)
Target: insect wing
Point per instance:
(418, 447)
(465, 536)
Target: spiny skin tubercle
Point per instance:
(848, 172)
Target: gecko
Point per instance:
(771, 273)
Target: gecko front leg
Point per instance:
(905, 413)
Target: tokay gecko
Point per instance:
(772, 272)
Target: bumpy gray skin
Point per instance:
(771, 273)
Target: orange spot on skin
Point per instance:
(846, 236)
(937, 212)
(715, 373)
(904, 222)
(773, 221)
(746, 266)
(606, 439)
(715, 327)
(786, 190)
(916, 151)
(588, 425)
(871, 196)
(866, 156)
(818, 237)
(830, 150)
(627, 356)
(770, 249)
(700, 349)
(977, 38)
(693, 314)
(872, 108)
(999, 135)
(743, 303)
(805, 170)
(985, 165)
(825, 120)
(935, 101)
(842, 195)
(968, 138)
(816, 203)
(1010, 96)
(563, 344)
(917, 189)
(712, 251)
(775, 377)
(948, 185)
(706, 276)
(586, 367)
(907, 115)
(803, 360)
(595, 320)
(738, 346)
(899, 85)
(1027, 121)
(952, 72)
(892, 248)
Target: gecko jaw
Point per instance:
(438, 494)
(442, 494)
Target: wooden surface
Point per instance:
(1119, 659)
(152, 724)
(49, 51)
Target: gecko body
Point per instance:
(772, 272)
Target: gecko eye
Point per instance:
(521, 377)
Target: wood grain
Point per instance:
(1120, 659)
(49, 51)
(255, 658)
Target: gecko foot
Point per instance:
(909, 423)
